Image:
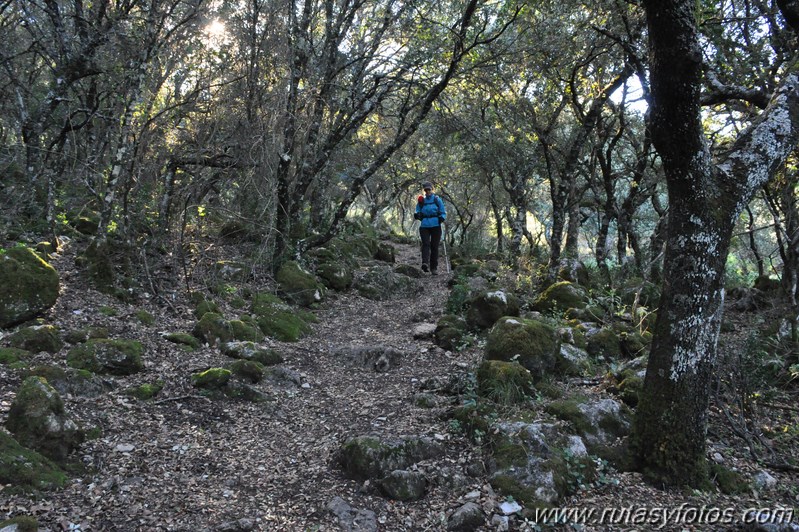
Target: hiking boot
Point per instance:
(425, 268)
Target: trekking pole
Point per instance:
(444, 240)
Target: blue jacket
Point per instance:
(431, 208)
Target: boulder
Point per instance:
(37, 419)
(24, 468)
(369, 457)
(604, 343)
(385, 252)
(12, 355)
(537, 464)
(28, 286)
(380, 283)
(351, 519)
(560, 297)
(450, 332)
(467, 518)
(408, 270)
(602, 424)
(251, 351)
(488, 306)
(213, 329)
(278, 320)
(504, 382)
(116, 357)
(402, 485)
(70, 381)
(211, 379)
(533, 344)
(36, 339)
(299, 285)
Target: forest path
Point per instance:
(185, 462)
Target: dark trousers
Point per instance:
(431, 238)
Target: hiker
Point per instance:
(431, 212)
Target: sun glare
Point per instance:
(216, 32)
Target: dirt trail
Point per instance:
(183, 462)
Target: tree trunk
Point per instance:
(704, 204)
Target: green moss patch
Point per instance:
(22, 523)
(504, 382)
(116, 357)
(26, 470)
(36, 339)
(213, 329)
(299, 285)
(280, 321)
(146, 391)
(12, 355)
(560, 297)
(145, 317)
(183, 339)
(211, 379)
(248, 370)
(28, 286)
(531, 343)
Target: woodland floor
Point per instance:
(184, 462)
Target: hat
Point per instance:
(426, 185)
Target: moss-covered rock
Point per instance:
(299, 285)
(601, 424)
(211, 379)
(249, 370)
(336, 275)
(408, 270)
(78, 382)
(252, 351)
(504, 382)
(380, 283)
(144, 317)
(204, 306)
(369, 457)
(78, 336)
(450, 332)
(728, 481)
(116, 357)
(22, 523)
(537, 464)
(183, 339)
(37, 419)
(28, 286)
(486, 307)
(630, 389)
(12, 355)
(533, 344)
(402, 485)
(213, 329)
(385, 252)
(560, 297)
(604, 343)
(36, 339)
(146, 391)
(25, 469)
(278, 320)
(245, 332)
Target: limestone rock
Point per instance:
(381, 283)
(299, 285)
(467, 518)
(117, 357)
(560, 297)
(36, 339)
(37, 420)
(450, 332)
(533, 344)
(369, 457)
(402, 485)
(486, 307)
(378, 358)
(351, 519)
(28, 286)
